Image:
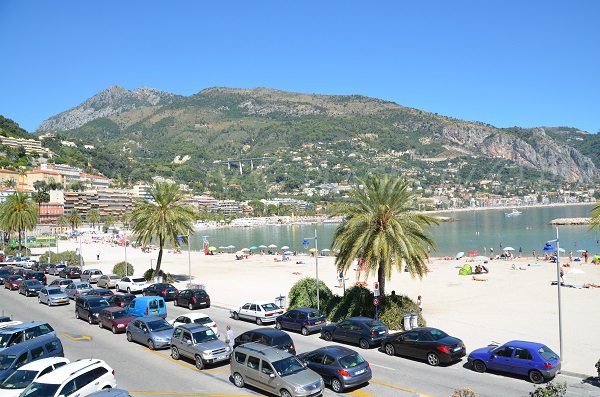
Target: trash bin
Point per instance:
(407, 322)
(414, 320)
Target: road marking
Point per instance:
(360, 393)
(176, 393)
(400, 388)
(184, 364)
(382, 366)
(82, 337)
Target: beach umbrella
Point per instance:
(472, 253)
(326, 250)
(481, 258)
(231, 246)
(561, 250)
(549, 248)
(245, 249)
(272, 246)
(581, 251)
(312, 250)
(285, 247)
(222, 248)
(509, 249)
(212, 248)
(460, 255)
(288, 253)
(262, 246)
(253, 247)
(239, 253)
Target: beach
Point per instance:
(509, 304)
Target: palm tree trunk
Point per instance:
(381, 278)
(159, 260)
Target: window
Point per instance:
(246, 306)
(22, 360)
(37, 352)
(52, 346)
(266, 368)
(410, 336)
(161, 304)
(177, 333)
(153, 304)
(522, 354)
(345, 325)
(182, 319)
(246, 337)
(239, 357)
(315, 357)
(328, 360)
(69, 388)
(253, 308)
(253, 362)
(46, 370)
(187, 337)
(293, 315)
(504, 352)
(302, 316)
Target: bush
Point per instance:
(464, 392)
(167, 277)
(393, 308)
(119, 269)
(550, 390)
(14, 250)
(358, 301)
(70, 257)
(304, 294)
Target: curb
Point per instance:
(577, 375)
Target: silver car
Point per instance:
(152, 331)
(56, 269)
(77, 288)
(199, 343)
(274, 371)
(60, 283)
(91, 275)
(108, 281)
(53, 296)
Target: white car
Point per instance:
(196, 318)
(78, 378)
(91, 275)
(131, 284)
(21, 378)
(258, 311)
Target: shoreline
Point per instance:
(554, 205)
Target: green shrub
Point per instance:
(70, 257)
(119, 269)
(167, 277)
(393, 309)
(304, 294)
(550, 390)
(358, 301)
(14, 250)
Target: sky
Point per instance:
(506, 63)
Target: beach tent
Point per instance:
(460, 255)
(596, 259)
(466, 270)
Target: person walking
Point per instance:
(229, 337)
(420, 303)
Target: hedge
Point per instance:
(119, 269)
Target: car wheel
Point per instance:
(389, 349)
(175, 353)
(236, 316)
(190, 306)
(151, 345)
(114, 329)
(90, 319)
(479, 366)
(327, 336)
(364, 344)
(39, 300)
(336, 385)
(536, 377)
(76, 314)
(129, 337)
(433, 359)
(258, 321)
(304, 331)
(278, 325)
(175, 302)
(199, 363)
(128, 290)
(100, 324)
(285, 393)
(238, 380)
(117, 287)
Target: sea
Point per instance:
(470, 231)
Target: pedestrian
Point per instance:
(562, 273)
(570, 256)
(585, 255)
(520, 251)
(420, 303)
(340, 278)
(98, 256)
(492, 252)
(229, 337)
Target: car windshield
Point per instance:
(120, 314)
(351, 361)
(98, 303)
(204, 336)
(40, 390)
(33, 283)
(54, 291)
(203, 320)
(288, 366)
(115, 277)
(18, 380)
(5, 359)
(159, 325)
(315, 314)
(84, 286)
(547, 353)
(269, 306)
(437, 334)
(4, 339)
(138, 280)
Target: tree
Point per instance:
(10, 183)
(74, 219)
(595, 221)
(110, 221)
(93, 217)
(382, 227)
(18, 213)
(164, 217)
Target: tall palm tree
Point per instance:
(93, 217)
(74, 219)
(384, 229)
(164, 217)
(18, 214)
(595, 221)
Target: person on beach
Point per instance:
(420, 303)
(229, 337)
(98, 256)
(562, 274)
(340, 278)
(570, 256)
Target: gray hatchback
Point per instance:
(199, 343)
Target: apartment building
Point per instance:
(50, 212)
(114, 202)
(30, 145)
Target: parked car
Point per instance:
(199, 343)
(12, 282)
(148, 306)
(88, 308)
(81, 378)
(268, 337)
(274, 371)
(534, 360)
(340, 367)
(364, 331)
(17, 355)
(152, 331)
(114, 318)
(165, 290)
(55, 270)
(131, 284)
(108, 280)
(91, 275)
(259, 312)
(120, 300)
(53, 296)
(30, 287)
(32, 275)
(4, 272)
(301, 319)
(77, 288)
(192, 299)
(22, 377)
(429, 344)
(60, 283)
(40, 266)
(70, 272)
(23, 332)
(99, 292)
(110, 393)
(196, 318)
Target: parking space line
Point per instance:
(183, 363)
(381, 366)
(400, 388)
(360, 393)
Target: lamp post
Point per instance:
(125, 245)
(305, 242)
(80, 253)
(189, 258)
(549, 247)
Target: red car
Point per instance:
(12, 282)
(115, 319)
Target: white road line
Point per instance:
(382, 366)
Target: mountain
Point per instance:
(309, 139)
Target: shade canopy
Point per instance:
(471, 253)
(212, 248)
(509, 249)
(253, 247)
(262, 246)
(231, 246)
(245, 249)
(549, 248)
(312, 249)
(285, 247)
(272, 246)
(326, 250)
(460, 255)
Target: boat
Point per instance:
(514, 212)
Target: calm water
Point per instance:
(475, 230)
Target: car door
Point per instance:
(181, 320)
(404, 341)
(258, 312)
(501, 359)
(286, 319)
(245, 311)
(314, 361)
(297, 319)
(522, 361)
(267, 382)
(42, 295)
(187, 345)
(340, 332)
(252, 371)
(136, 330)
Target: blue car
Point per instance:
(534, 360)
(301, 319)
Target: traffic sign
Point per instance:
(376, 301)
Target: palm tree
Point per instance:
(62, 221)
(93, 217)
(74, 219)
(164, 217)
(595, 221)
(110, 221)
(18, 213)
(382, 227)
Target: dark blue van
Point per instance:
(17, 355)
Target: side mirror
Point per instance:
(189, 342)
(272, 375)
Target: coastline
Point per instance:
(553, 205)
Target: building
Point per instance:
(8, 177)
(94, 181)
(45, 175)
(30, 145)
(81, 202)
(50, 212)
(114, 202)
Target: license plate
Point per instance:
(362, 371)
(202, 303)
(457, 348)
(319, 322)
(381, 332)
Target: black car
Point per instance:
(40, 266)
(167, 291)
(70, 272)
(31, 275)
(120, 300)
(30, 287)
(88, 308)
(364, 331)
(268, 337)
(192, 298)
(429, 344)
(340, 367)
(99, 292)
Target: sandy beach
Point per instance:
(510, 304)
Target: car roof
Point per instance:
(336, 351)
(40, 340)
(193, 327)
(93, 270)
(525, 344)
(52, 288)
(260, 302)
(304, 309)
(361, 319)
(24, 326)
(147, 298)
(92, 298)
(194, 316)
(147, 319)
(43, 363)
(113, 309)
(269, 352)
(80, 282)
(268, 331)
(59, 375)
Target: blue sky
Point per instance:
(525, 63)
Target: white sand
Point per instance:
(511, 304)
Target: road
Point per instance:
(145, 372)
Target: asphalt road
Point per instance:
(146, 372)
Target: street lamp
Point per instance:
(80, 259)
(151, 265)
(305, 243)
(550, 248)
(189, 258)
